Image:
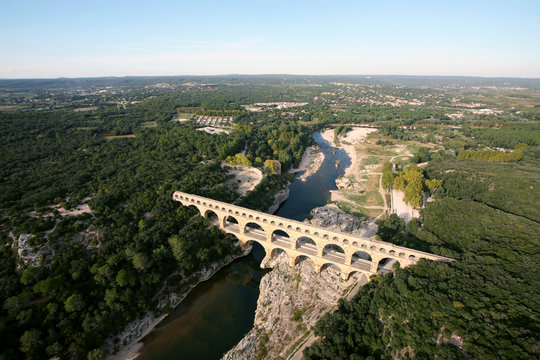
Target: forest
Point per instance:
(485, 305)
(97, 271)
(71, 278)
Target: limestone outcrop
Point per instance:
(333, 218)
(279, 198)
(291, 300)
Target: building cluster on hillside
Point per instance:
(213, 120)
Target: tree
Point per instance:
(141, 261)
(74, 303)
(391, 229)
(387, 176)
(181, 252)
(433, 185)
(124, 278)
(399, 183)
(270, 166)
(30, 340)
(96, 354)
(30, 275)
(414, 192)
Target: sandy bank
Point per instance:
(312, 160)
(356, 136)
(246, 178)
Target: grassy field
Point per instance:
(370, 160)
(184, 115)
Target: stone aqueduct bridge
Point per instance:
(346, 252)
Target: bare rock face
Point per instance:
(333, 218)
(279, 199)
(345, 183)
(291, 300)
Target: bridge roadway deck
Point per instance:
(350, 253)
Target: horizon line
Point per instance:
(270, 74)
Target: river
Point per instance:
(217, 313)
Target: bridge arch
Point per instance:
(277, 251)
(384, 261)
(252, 226)
(332, 266)
(255, 231)
(306, 244)
(301, 258)
(281, 237)
(251, 242)
(334, 252)
(362, 277)
(229, 220)
(362, 255)
(361, 260)
(211, 216)
(192, 206)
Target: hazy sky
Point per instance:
(75, 38)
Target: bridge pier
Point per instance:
(293, 243)
(374, 263)
(291, 261)
(348, 257)
(242, 225)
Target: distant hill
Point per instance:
(132, 81)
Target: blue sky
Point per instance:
(76, 38)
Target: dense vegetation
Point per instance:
(96, 272)
(495, 155)
(483, 306)
(110, 144)
(506, 186)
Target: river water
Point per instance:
(217, 314)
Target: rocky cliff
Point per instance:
(333, 218)
(291, 300)
(279, 198)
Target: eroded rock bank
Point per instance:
(279, 199)
(291, 301)
(312, 160)
(332, 217)
(127, 342)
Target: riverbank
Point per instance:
(348, 143)
(359, 189)
(311, 162)
(134, 332)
